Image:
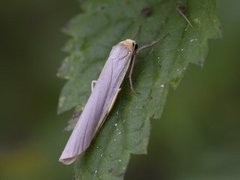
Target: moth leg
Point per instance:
(93, 84)
(130, 74)
(113, 101)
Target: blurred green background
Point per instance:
(197, 138)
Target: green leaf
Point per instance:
(93, 33)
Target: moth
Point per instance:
(104, 93)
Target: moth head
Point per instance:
(130, 44)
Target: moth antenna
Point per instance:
(137, 32)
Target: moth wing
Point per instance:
(100, 101)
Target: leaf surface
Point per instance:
(93, 33)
